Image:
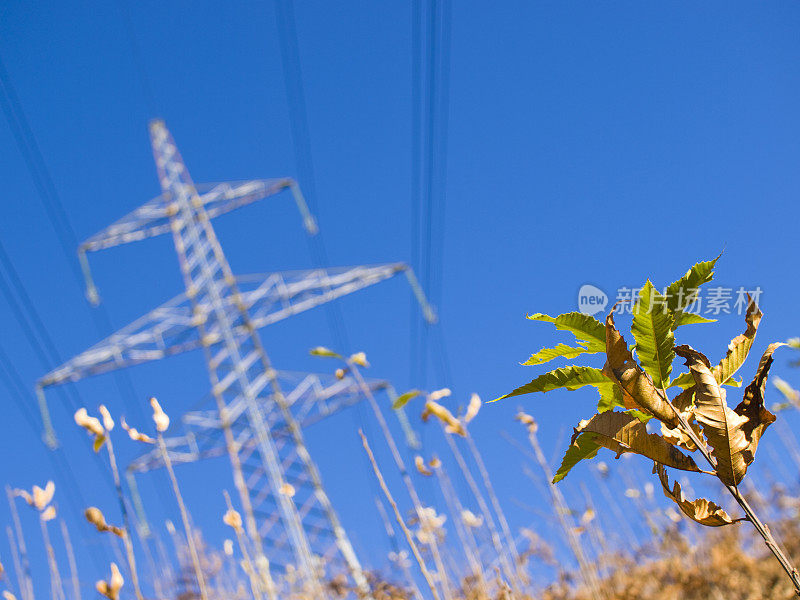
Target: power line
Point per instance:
(301, 142)
(138, 62)
(57, 215)
(63, 471)
(416, 179)
(430, 89)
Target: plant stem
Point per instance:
(494, 535)
(760, 527)
(126, 539)
(255, 585)
(409, 536)
(17, 565)
(56, 588)
(588, 571)
(73, 567)
(412, 492)
(465, 535)
(198, 572)
(26, 583)
(498, 509)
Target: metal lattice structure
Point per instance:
(255, 422)
(311, 398)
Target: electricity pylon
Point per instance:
(221, 314)
(312, 398)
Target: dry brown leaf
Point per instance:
(739, 346)
(701, 510)
(637, 387)
(722, 427)
(752, 405)
(623, 432)
(677, 436)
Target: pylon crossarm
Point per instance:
(312, 398)
(172, 328)
(152, 218)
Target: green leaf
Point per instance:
(652, 328)
(585, 446)
(687, 318)
(572, 378)
(739, 347)
(324, 352)
(586, 328)
(679, 290)
(547, 354)
(685, 380)
(403, 399)
(610, 397)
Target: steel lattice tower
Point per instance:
(260, 425)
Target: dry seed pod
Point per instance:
(159, 416)
(430, 524)
(360, 359)
(108, 422)
(528, 421)
(473, 408)
(96, 518)
(8, 595)
(39, 498)
(49, 513)
(232, 519)
(42, 497)
(434, 463)
(452, 425)
(420, 464)
(340, 373)
(227, 546)
(287, 489)
(93, 426)
(439, 394)
(135, 434)
(24, 495)
(110, 589)
(470, 519)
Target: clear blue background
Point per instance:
(598, 143)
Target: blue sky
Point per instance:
(588, 143)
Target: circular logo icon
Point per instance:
(591, 299)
